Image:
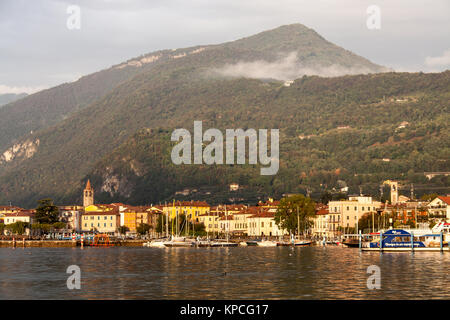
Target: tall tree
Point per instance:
(46, 212)
(143, 228)
(295, 213)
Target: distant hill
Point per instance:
(10, 97)
(114, 126)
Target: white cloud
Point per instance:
(443, 60)
(29, 90)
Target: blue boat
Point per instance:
(401, 240)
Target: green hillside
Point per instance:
(108, 139)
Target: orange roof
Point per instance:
(22, 213)
(230, 217)
(100, 213)
(264, 214)
(445, 199)
(322, 209)
(88, 185)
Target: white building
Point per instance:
(23, 216)
(350, 211)
(262, 224)
(440, 206)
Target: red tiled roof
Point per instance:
(264, 214)
(445, 199)
(22, 213)
(101, 213)
(230, 217)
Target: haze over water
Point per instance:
(221, 273)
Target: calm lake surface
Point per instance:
(221, 273)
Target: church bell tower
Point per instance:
(88, 195)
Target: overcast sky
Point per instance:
(38, 50)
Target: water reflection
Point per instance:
(220, 273)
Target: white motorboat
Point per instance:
(223, 243)
(177, 242)
(267, 243)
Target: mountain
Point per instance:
(10, 97)
(114, 126)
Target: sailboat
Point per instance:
(226, 242)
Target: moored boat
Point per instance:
(302, 243)
(267, 243)
(402, 240)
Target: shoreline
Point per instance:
(61, 243)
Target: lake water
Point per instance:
(221, 273)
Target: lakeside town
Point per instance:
(328, 222)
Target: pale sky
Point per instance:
(38, 51)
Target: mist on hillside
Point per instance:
(287, 67)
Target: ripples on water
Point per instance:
(221, 273)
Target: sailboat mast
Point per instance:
(167, 222)
(226, 222)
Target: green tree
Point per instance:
(429, 196)
(143, 228)
(18, 227)
(293, 210)
(46, 212)
(59, 225)
(123, 229)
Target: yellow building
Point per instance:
(101, 221)
(129, 220)
(346, 213)
(211, 221)
(191, 209)
(135, 216)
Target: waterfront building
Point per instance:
(191, 209)
(71, 216)
(211, 220)
(240, 223)
(345, 214)
(321, 222)
(22, 215)
(226, 224)
(101, 221)
(439, 208)
(132, 217)
(262, 224)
